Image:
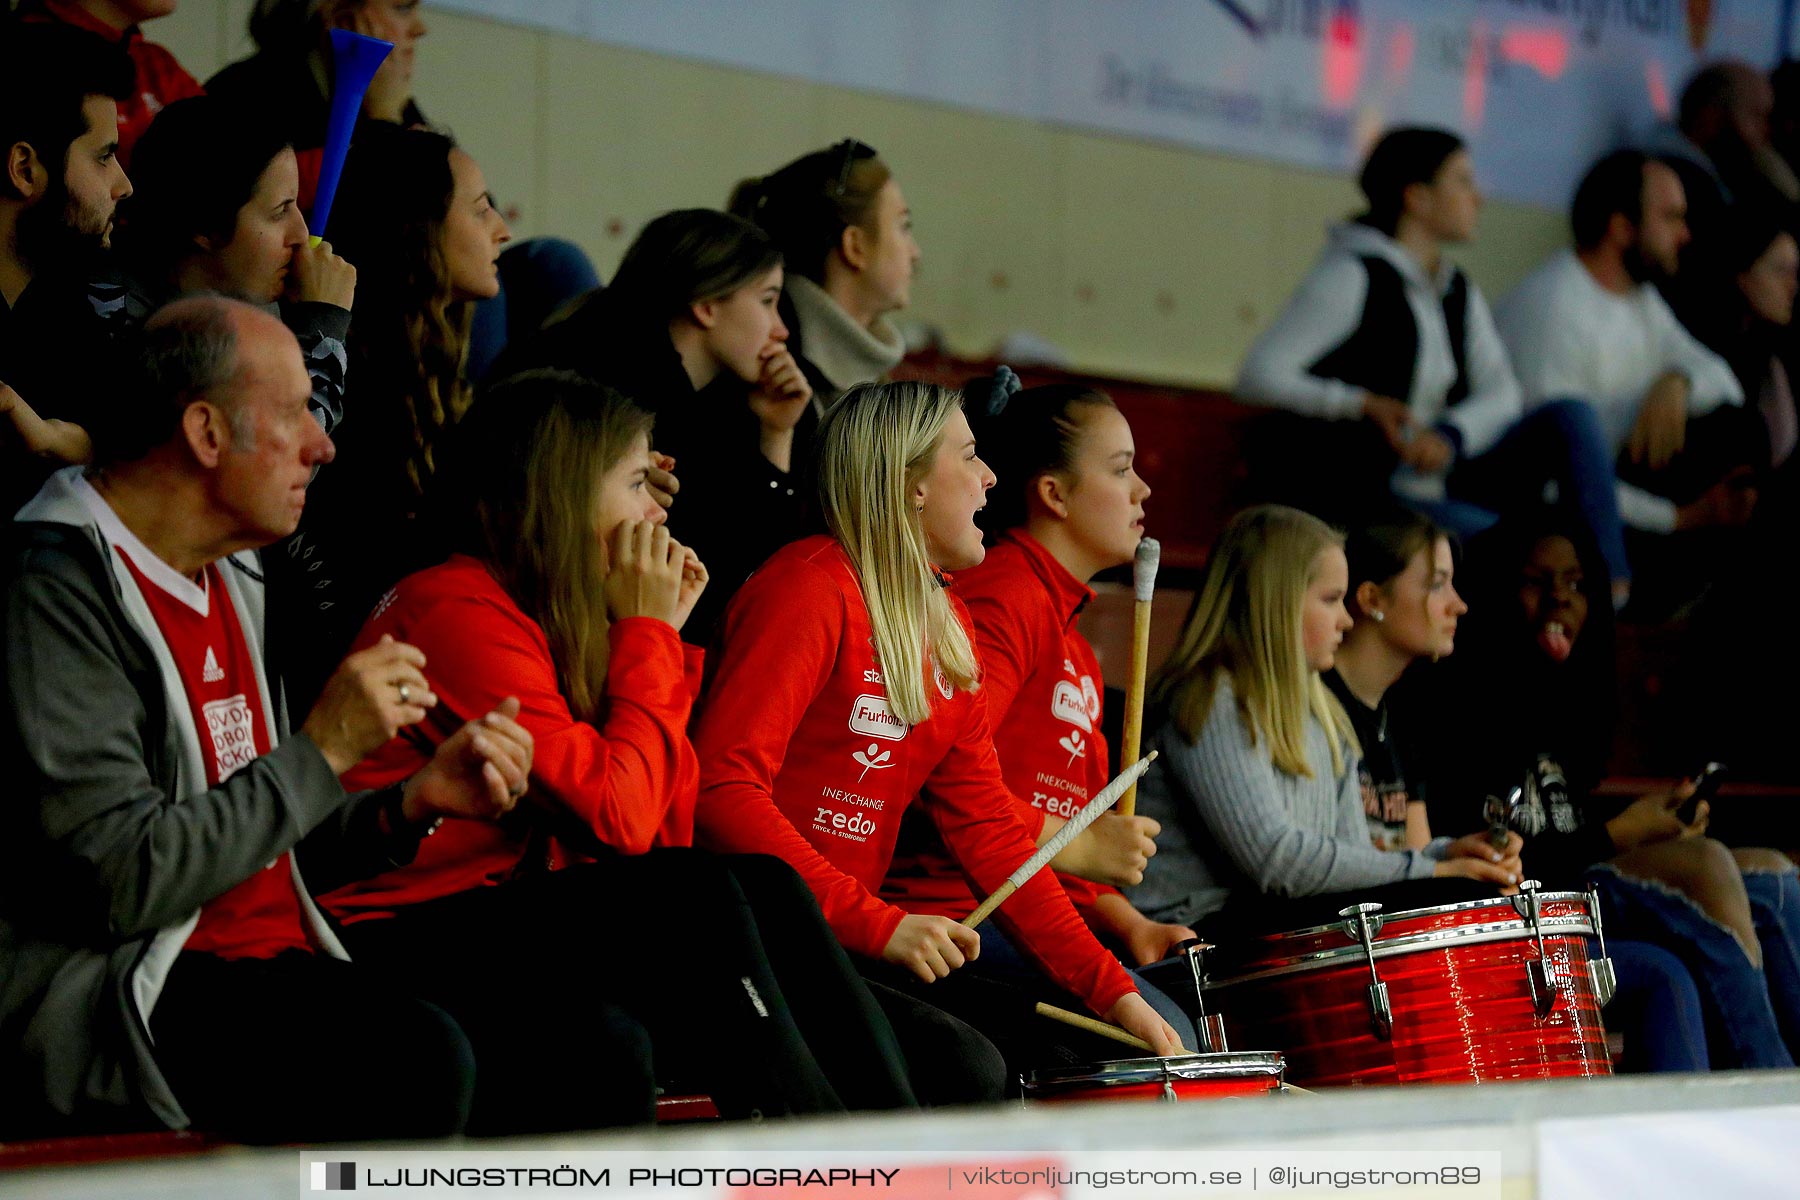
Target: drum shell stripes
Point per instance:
(1462, 1002)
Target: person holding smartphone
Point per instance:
(1526, 705)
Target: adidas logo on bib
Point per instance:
(211, 673)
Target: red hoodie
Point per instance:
(161, 80)
(631, 780)
(802, 758)
(1041, 677)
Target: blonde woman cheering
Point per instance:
(846, 689)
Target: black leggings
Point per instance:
(1002, 1008)
(305, 1048)
(726, 963)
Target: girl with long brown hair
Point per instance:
(567, 591)
(415, 218)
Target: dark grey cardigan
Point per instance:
(108, 845)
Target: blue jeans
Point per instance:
(1657, 1008)
(1741, 1027)
(1775, 906)
(1557, 443)
(537, 277)
(1001, 960)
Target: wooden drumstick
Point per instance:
(1102, 1028)
(1050, 849)
(1143, 586)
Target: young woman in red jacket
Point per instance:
(1069, 506)
(586, 913)
(847, 688)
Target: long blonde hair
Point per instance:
(522, 487)
(875, 446)
(1246, 623)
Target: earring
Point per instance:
(1378, 617)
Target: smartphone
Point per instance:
(1706, 785)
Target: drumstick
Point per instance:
(1143, 585)
(1092, 1026)
(1064, 836)
(1101, 1028)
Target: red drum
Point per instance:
(1177, 1077)
(1475, 992)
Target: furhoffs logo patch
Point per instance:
(1068, 704)
(871, 715)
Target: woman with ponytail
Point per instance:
(687, 327)
(847, 688)
(845, 231)
(567, 591)
(1071, 505)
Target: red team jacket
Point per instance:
(161, 80)
(631, 781)
(801, 757)
(1042, 686)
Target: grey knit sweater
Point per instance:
(1231, 819)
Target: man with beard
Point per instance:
(1589, 324)
(60, 184)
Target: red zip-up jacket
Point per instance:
(1042, 685)
(161, 80)
(631, 780)
(802, 758)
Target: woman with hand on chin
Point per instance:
(847, 689)
(216, 209)
(693, 305)
(568, 591)
(1070, 506)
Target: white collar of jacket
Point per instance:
(1355, 238)
(67, 498)
(845, 353)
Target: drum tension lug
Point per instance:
(1361, 923)
(1600, 970)
(1209, 1028)
(1537, 972)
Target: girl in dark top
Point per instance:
(695, 301)
(1404, 602)
(1528, 704)
(845, 230)
(415, 218)
(1405, 607)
